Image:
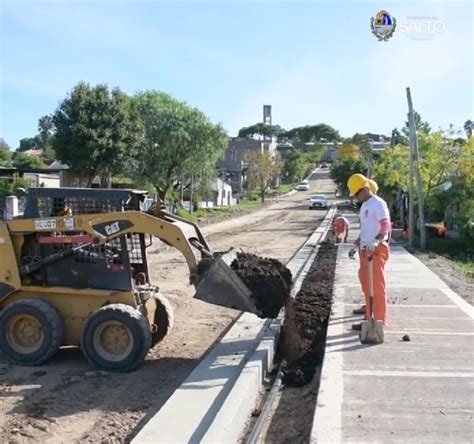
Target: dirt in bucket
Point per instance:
(304, 329)
(268, 280)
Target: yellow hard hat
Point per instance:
(373, 186)
(356, 182)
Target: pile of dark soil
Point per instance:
(268, 280)
(304, 330)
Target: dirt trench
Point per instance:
(302, 344)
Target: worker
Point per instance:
(340, 228)
(372, 242)
(374, 188)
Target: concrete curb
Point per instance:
(215, 402)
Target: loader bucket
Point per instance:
(221, 286)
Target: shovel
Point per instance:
(372, 330)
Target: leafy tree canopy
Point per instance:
(178, 139)
(97, 131)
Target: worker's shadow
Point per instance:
(345, 342)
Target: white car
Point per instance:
(302, 186)
(318, 202)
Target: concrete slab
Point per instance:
(437, 410)
(420, 391)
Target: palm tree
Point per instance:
(468, 126)
(45, 128)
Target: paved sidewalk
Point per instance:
(420, 391)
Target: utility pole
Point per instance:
(415, 157)
(411, 190)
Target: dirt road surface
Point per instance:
(69, 401)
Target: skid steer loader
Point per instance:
(74, 271)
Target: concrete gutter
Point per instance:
(215, 402)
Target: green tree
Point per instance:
(313, 155)
(178, 141)
(397, 138)
(260, 130)
(9, 186)
(349, 149)
(30, 143)
(48, 153)
(420, 125)
(343, 168)
(97, 131)
(294, 166)
(468, 126)
(24, 161)
(262, 167)
(5, 153)
(313, 133)
(391, 169)
(45, 128)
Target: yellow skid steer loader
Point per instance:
(74, 271)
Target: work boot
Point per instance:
(357, 327)
(359, 311)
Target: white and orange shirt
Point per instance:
(374, 220)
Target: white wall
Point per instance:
(46, 180)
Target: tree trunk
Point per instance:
(105, 178)
(161, 193)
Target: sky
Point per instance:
(313, 61)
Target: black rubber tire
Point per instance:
(164, 319)
(138, 327)
(51, 324)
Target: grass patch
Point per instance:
(455, 249)
(246, 203)
(285, 188)
(200, 214)
(204, 214)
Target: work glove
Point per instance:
(372, 245)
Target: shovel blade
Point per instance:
(221, 286)
(372, 332)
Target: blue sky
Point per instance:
(313, 61)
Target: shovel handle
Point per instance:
(371, 285)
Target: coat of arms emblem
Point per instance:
(383, 25)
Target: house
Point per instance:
(222, 194)
(43, 180)
(34, 152)
(232, 166)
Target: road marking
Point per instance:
(401, 305)
(459, 301)
(430, 332)
(408, 374)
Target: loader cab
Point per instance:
(118, 265)
(49, 202)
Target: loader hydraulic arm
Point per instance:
(174, 231)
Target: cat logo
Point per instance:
(112, 228)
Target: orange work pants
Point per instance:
(341, 236)
(380, 256)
